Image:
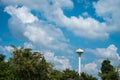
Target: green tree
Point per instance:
(3, 67)
(2, 57)
(27, 65)
(5, 71)
(85, 76)
(43, 70)
(56, 75)
(108, 71)
(70, 75)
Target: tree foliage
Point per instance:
(2, 57)
(108, 71)
(5, 71)
(85, 76)
(56, 75)
(29, 66)
(70, 75)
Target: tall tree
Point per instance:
(27, 65)
(108, 71)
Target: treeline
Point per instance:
(27, 65)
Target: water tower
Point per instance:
(79, 52)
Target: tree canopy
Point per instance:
(27, 65)
(108, 72)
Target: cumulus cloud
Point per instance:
(78, 25)
(91, 68)
(60, 62)
(106, 53)
(109, 11)
(21, 13)
(6, 49)
(47, 36)
(36, 31)
(18, 21)
(85, 27)
(109, 52)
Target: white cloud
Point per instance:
(78, 25)
(60, 62)
(18, 21)
(109, 52)
(6, 50)
(39, 33)
(22, 13)
(88, 27)
(41, 4)
(109, 11)
(28, 45)
(46, 36)
(91, 68)
(106, 53)
(63, 3)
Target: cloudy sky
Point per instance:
(57, 28)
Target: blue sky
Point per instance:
(57, 28)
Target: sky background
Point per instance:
(57, 28)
